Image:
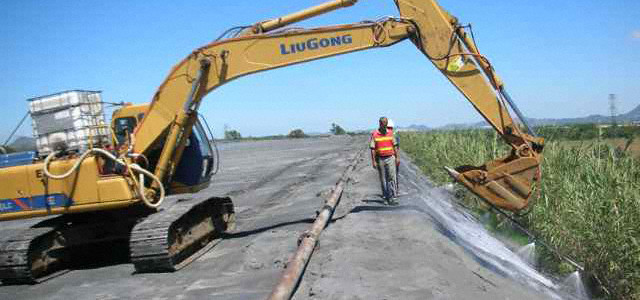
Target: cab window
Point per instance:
(124, 126)
(205, 146)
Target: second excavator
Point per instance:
(148, 191)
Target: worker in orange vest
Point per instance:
(391, 126)
(384, 147)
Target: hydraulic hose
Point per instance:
(134, 167)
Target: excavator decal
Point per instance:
(315, 43)
(35, 202)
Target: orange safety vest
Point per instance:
(383, 143)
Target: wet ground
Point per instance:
(414, 250)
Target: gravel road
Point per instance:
(369, 250)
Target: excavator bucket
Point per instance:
(505, 183)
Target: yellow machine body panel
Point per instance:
(27, 192)
(129, 110)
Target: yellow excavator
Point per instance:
(162, 152)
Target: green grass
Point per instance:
(589, 205)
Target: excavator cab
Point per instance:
(122, 127)
(195, 167)
(125, 120)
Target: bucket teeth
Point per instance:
(453, 173)
(505, 183)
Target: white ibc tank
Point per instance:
(72, 120)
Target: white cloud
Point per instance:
(635, 35)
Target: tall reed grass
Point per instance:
(589, 204)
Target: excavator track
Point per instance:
(51, 247)
(32, 255)
(170, 239)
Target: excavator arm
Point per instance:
(506, 183)
(174, 105)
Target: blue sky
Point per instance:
(557, 59)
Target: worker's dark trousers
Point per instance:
(387, 175)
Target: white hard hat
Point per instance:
(390, 123)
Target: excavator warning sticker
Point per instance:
(36, 202)
(455, 64)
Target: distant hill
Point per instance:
(631, 116)
(415, 127)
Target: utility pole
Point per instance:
(612, 109)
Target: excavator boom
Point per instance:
(506, 183)
(220, 62)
